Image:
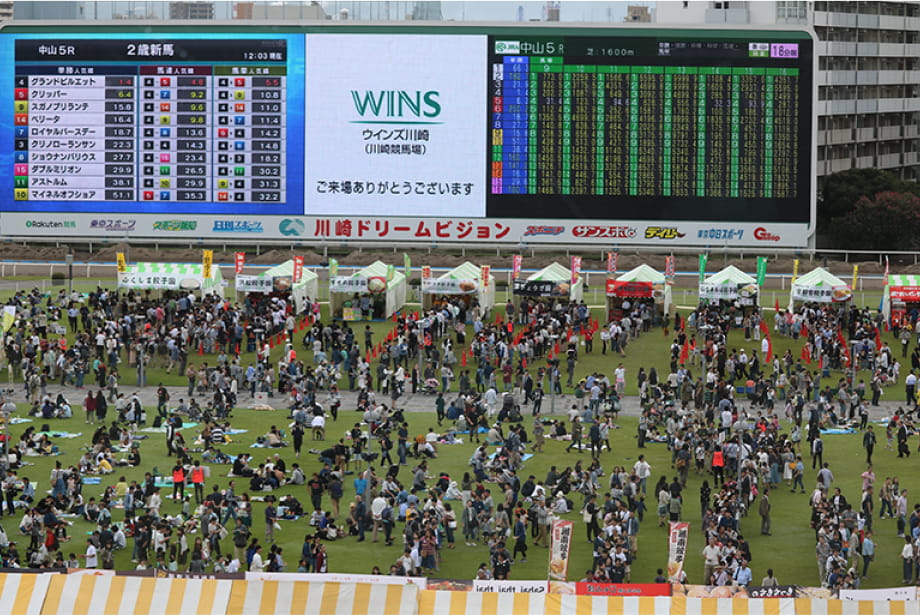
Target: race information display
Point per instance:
(433, 133)
(676, 126)
(170, 121)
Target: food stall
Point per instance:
(280, 280)
(463, 282)
(550, 284)
(383, 286)
(901, 296)
(186, 277)
(820, 286)
(643, 285)
(731, 286)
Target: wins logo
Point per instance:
(397, 106)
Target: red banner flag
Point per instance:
(685, 351)
(776, 304)
(239, 262)
(806, 355)
(298, 269)
(878, 340)
(516, 261)
(612, 258)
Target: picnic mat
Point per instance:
(837, 431)
(163, 429)
(59, 434)
(16, 420)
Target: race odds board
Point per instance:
(126, 125)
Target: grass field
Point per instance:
(790, 551)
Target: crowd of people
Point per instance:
(742, 448)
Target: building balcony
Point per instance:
(865, 134)
(889, 132)
(887, 161)
(837, 20)
(865, 162)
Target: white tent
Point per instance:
(280, 278)
(464, 279)
(553, 281)
(643, 282)
(380, 281)
(820, 286)
(172, 276)
(900, 291)
(730, 284)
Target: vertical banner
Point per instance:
(298, 269)
(333, 267)
(207, 259)
(407, 265)
(122, 263)
(669, 268)
(856, 276)
(561, 543)
(516, 261)
(486, 272)
(426, 272)
(239, 261)
(795, 270)
(761, 270)
(612, 258)
(885, 281)
(576, 269)
(704, 258)
(677, 549)
(391, 272)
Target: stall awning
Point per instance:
(821, 286)
(616, 288)
(89, 594)
(301, 598)
(474, 603)
(23, 594)
(904, 288)
(170, 276)
(464, 279)
(280, 277)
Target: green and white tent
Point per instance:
(172, 276)
(643, 274)
(900, 291)
(464, 279)
(381, 281)
(280, 278)
(730, 284)
(820, 286)
(554, 281)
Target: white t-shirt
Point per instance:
(91, 560)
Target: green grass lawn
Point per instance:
(790, 551)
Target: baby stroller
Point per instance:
(430, 386)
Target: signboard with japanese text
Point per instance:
(540, 288)
(438, 286)
(158, 281)
(253, 284)
(347, 284)
(618, 288)
(435, 134)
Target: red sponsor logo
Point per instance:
(617, 232)
(762, 234)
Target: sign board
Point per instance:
(128, 131)
(439, 286)
(253, 284)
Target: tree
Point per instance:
(888, 221)
(839, 192)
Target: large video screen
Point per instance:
(435, 133)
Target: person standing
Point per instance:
(868, 553)
(764, 510)
(576, 436)
(907, 560)
(869, 443)
(271, 517)
(520, 533)
(817, 451)
(538, 430)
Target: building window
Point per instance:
(792, 9)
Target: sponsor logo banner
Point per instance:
(663, 232)
(762, 234)
(616, 288)
(623, 589)
(175, 226)
(113, 225)
(510, 587)
(906, 294)
(237, 226)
